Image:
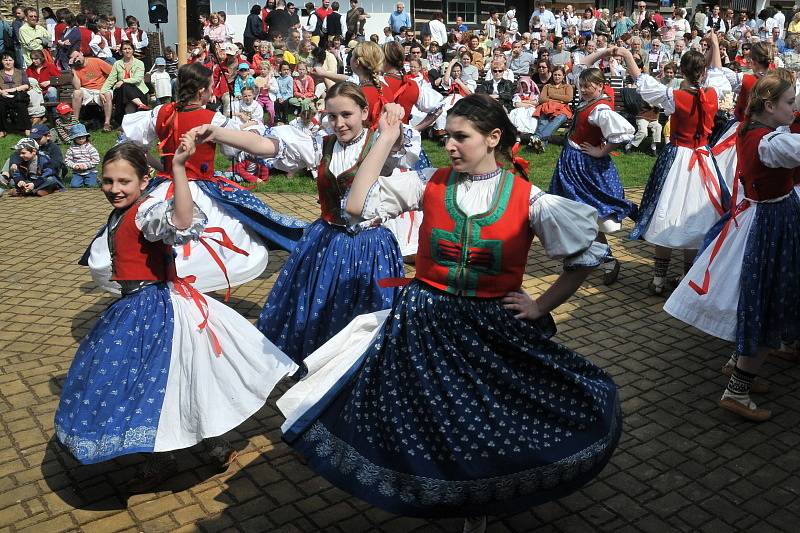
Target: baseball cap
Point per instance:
(161, 62)
(39, 131)
(231, 49)
(244, 66)
(63, 109)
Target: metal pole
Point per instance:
(183, 38)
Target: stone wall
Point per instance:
(100, 6)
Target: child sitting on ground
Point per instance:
(243, 79)
(247, 109)
(304, 84)
(65, 120)
(82, 158)
(30, 171)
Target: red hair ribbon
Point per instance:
(183, 286)
(519, 161)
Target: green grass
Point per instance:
(633, 168)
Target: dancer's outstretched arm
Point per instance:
(241, 140)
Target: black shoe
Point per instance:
(153, 473)
(627, 149)
(611, 276)
(653, 151)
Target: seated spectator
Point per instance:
(161, 81)
(521, 60)
(668, 75)
(36, 109)
(32, 36)
(524, 102)
(136, 37)
(267, 91)
(285, 92)
(42, 135)
(498, 87)
(559, 57)
(469, 72)
(82, 158)
(247, 109)
(553, 109)
(264, 53)
(656, 57)
(14, 98)
(99, 45)
(68, 42)
(543, 73)
(646, 119)
(125, 85)
(30, 171)
(89, 76)
(244, 79)
(42, 71)
(65, 119)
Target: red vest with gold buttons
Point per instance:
(134, 258)
(483, 255)
(760, 181)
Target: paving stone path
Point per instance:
(683, 464)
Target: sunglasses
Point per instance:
(497, 71)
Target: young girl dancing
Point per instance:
(164, 367)
(585, 172)
(684, 195)
(745, 285)
(332, 275)
(455, 402)
(248, 224)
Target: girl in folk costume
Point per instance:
(724, 148)
(585, 172)
(332, 275)
(745, 285)
(524, 101)
(164, 367)
(412, 409)
(366, 62)
(684, 195)
(241, 226)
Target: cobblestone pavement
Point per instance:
(683, 464)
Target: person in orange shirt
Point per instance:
(89, 75)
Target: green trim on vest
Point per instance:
(462, 276)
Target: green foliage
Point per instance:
(633, 168)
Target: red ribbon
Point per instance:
(183, 286)
(390, 283)
(703, 288)
(225, 242)
(522, 163)
(710, 182)
(729, 142)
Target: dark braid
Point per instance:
(191, 78)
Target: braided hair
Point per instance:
(191, 79)
(369, 56)
(487, 114)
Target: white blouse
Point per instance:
(656, 93)
(154, 219)
(566, 228)
(780, 149)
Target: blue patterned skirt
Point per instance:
(592, 181)
(330, 278)
(457, 409)
(652, 191)
(279, 231)
(111, 401)
(768, 311)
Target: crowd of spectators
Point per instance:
(282, 61)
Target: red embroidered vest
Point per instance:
(171, 125)
(483, 255)
(693, 119)
(332, 189)
(748, 81)
(134, 258)
(760, 182)
(585, 132)
(406, 92)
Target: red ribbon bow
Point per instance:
(183, 286)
